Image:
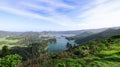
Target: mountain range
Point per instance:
(80, 34)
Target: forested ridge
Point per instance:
(31, 51)
(95, 53)
(89, 36)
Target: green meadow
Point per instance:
(105, 57)
(7, 42)
(9, 46)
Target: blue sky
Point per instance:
(58, 15)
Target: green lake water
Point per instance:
(60, 45)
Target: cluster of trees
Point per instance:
(10, 60)
(34, 54)
(66, 58)
(32, 47)
(102, 35)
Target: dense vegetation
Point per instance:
(89, 36)
(31, 51)
(22, 48)
(95, 53)
(10, 60)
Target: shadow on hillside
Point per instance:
(113, 59)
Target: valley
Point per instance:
(48, 49)
(59, 33)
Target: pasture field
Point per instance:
(7, 42)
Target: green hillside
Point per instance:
(95, 53)
(93, 50)
(101, 35)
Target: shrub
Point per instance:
(10, 60)
(96, 64)
(61, 65)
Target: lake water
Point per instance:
(60, 45)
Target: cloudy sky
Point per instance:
(57, 15)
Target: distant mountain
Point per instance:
(7, 33)
(29, 33)
(79, 33)
(64, 32)
(76, 32)
(103, 34)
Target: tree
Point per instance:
(37, 49)
(61, 65)
(96, 64)
(69, 46)
(10, 60)
(5, 51)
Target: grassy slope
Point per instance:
(8, 41)
(109, 56)
(9, 46)
(101, 35)
(4, 41)
(105, 58)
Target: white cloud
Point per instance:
(22, 13)
(57, 4)
(100, 13)
(36, 7)
(55, 18)
(103, 15)
(20, 9)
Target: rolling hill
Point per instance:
(104, 34)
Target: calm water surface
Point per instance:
(60, 45)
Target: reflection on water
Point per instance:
(60, 44)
